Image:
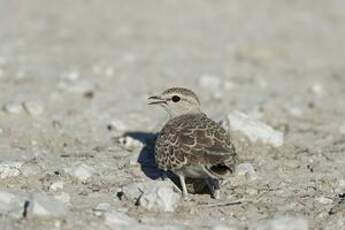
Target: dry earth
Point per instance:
(75, 75)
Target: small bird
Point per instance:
(190, 144)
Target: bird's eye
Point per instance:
(175, 98)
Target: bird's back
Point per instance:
(193, 139)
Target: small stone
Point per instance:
(317, 89)
(101, 209)
(254, 129)
(11, 204)
(130, 143)
(45, 206)
(117, 125)
(70, 76)
(56, 186)
(13, 108)
(132, 191)
(109, 71)
(10, 168)
(160, 196)
(283, 223)
(33, 108)
(29, 169)
(81, 171)
(246, 170)
(1, 131)
(295, 111)
(324, 200)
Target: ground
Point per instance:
(73, 72)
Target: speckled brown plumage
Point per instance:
(191, 140)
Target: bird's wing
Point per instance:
(202, 141)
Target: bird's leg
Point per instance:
(214, 188)
(164, 175)
(184, 187)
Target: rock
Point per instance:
(56, 186)
(10, 168)
(11, 204)
(130, 143)
(282, 223)
(33, 108)
(45, 206)
(254, 129)
(117, 125)
(30, 168)
(101, 209)
(13, 108)
(247, 170)
(152, 195)
(317, 89)
(324, 200)
(132, 191)
(81, 171)
(71, 82)
(160, 196)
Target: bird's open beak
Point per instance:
(154, 100)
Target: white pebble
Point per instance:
(317, 89)
(324, 200)
(160, 196)
(13, 108)
(130, 143)
(33, 108)
(283, 223)
(10, 168)
(11, 204)
(56, 186)
(45, 206)
(132, 191)
(101, 209)
(81, 171)
(70, 76)
(254, 129)
(109, 71)
(247, 170)
(118, 125)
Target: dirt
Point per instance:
(87, 63)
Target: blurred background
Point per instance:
(74, 74)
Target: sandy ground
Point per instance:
(80, 65)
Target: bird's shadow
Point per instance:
(146, 156)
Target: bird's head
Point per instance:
(177, 101)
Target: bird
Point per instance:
(190, 144)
